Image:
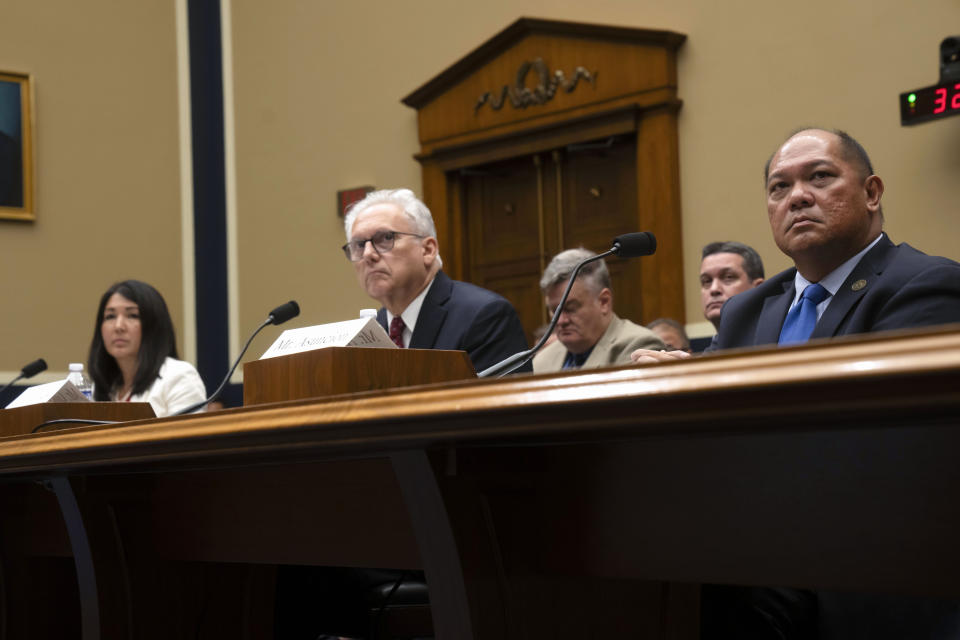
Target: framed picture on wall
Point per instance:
(16, 147)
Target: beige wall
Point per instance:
(108, 196)
(316, 90)
(317, 100)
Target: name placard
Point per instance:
(363, 332)
(58, 391)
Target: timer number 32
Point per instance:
(940, 102)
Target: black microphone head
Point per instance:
(284, 312)
(34, 368)
(632, 245)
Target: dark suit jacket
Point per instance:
(892, 287)
(461, 316)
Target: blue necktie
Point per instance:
(803, 317)
(575, 360)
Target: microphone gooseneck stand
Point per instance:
(627, 245)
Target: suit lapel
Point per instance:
(382, 319)
(552, 357)
(847, 297)
(432, 313)
(772, 314)
(601, 351)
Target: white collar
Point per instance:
(411, 313)
(835, 279)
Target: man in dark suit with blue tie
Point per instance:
(393, 246)
(823, 202)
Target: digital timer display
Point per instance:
(930, 103)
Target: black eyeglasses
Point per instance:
(383, 242)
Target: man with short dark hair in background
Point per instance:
(589, 334)
(726, 269)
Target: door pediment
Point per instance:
(537, 72)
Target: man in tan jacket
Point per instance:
(589, 334)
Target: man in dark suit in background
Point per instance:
(393, 246)
(726, 269)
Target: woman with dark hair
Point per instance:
(133, 355)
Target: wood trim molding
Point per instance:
(524, 26)
(559, 120)
(880, 377)
(595, 126)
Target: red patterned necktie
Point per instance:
(396, 331)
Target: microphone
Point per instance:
(284, 312)
(279, 315)
(634, 245)
(28, 371)
(628, 245)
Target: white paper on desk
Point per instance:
(59, 391)
(363, 332)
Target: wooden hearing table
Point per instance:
(580, 504)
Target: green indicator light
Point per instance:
(912, 98)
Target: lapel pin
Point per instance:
(859, 284)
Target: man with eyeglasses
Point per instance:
(393, 247)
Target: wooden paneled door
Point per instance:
(521, 212)
(553, 135)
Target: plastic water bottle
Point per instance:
(80, 379)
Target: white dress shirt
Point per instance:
(832, 281)
(410, 315)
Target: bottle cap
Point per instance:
(368, 313)
(76, 366)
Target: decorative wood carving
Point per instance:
(522, 97)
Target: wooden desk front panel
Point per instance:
(852, 509)
(828, 467)
(335, 513)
